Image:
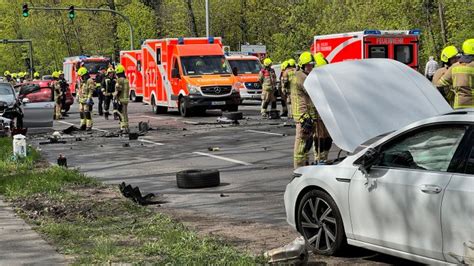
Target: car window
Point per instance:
(38, 95)
(6, 89)
(431, 149)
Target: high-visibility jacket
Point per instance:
(300, 101)
(122, 89)
(86, 91)
(461, 76)
(267, 78)
(287, 75)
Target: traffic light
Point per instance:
(26, 11)
(72, 13)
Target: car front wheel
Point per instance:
(320, 223)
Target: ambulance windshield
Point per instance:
(94, 66)
(246, 66)
(204, 65)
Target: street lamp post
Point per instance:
(30, 50)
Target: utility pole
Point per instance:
(30, 50)
(441, 21)
(71, 15)
(207, 18)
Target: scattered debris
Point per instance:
(184, 129)
(133, 136)
(111, 135)
(70, 129)
(144, 126)
(224, 195)
(62, 161)
(233, 115)
(126, 145)
(294, 253)
(225, 120)
(134, 194)
(213, 149)
(78, 139)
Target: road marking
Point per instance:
(264, 132)
(222, 158)
(71, 124)
(151, 142)
(152, 117)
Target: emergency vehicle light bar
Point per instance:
(415, 31)
(367, 32)
(180, 40)
(210, 39)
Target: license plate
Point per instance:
(218, 103)
(256, 96)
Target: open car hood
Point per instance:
(362, 99)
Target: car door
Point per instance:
(398, 204)
(38, 108)
(457, 212)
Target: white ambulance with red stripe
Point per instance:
(402, 46)
(132, 62)
(73, 63)
(187, 74)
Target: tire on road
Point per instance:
(196, 178)
(233, 115)
(322, 221)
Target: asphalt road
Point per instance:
(255, 160)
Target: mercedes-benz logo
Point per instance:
(217, 90)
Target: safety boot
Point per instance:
(83, 127)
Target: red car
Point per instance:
(39, 89)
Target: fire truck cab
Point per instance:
(188, 74)
(132, 62)
(72, 64)
(398, 45)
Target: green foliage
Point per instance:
(286, 27)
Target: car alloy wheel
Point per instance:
(319, 221)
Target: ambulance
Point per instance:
(132, 62)
(246, 69)
(187, 74)
(400, 45)
(72, 64)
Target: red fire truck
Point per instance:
(132, 61)
(72, 64)
(399, 45)
(188, 74)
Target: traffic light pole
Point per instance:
(92, 10)
(30, 50)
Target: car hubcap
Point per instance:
(318, 224)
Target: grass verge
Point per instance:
(92, 223)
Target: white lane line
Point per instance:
(222, 158)
(151, 142)
(152, 117)
(264, 132)
(71, 124)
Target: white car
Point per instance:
(407, 187)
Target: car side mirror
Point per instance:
(175, 73)
(370, 158)
(25, 101)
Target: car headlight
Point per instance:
(237, 87)
(194, 89)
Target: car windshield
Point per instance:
(204, 65)
(94, 66)
(246, 66)
(6, 89)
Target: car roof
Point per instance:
(41, 83)
(241, 57)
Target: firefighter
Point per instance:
(449, 56)
(85, 98)
(21, 77)
(461, 76)
(64, 88)
(122, 90)
(57, 95)
(283, 96)
(322, 140)
(98, 81)
(303, 110)
(14, 77)
(267, 78)
(9, 78)
(36, 76)
(286, 76)
(108, 88)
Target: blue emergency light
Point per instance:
(180, 40)
(415, 31)
(210, 39)
(371, 32)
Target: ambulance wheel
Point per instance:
(184, 110)
(198, 178)
(158, 109)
